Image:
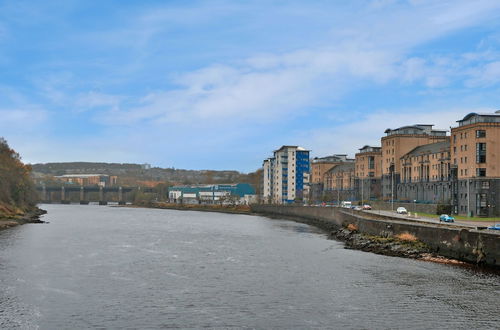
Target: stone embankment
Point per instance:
(396, 237)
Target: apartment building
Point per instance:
(368, 172)
(319, 166)
(339, 182)
(475, 153)
(399, 142)
(426, 174)
(267, 180)
(286, 175)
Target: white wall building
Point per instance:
(286, 175)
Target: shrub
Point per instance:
(406, 237)
(352, 227)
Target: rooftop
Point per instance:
(418, 129)
(475, 117)
(426, 149)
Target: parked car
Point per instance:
(446, 218)
(495, 227)
(346, 204)
(358, 208)
(401, 210)
(367, 207)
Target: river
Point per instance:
(114, 267)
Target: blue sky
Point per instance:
(220, 84)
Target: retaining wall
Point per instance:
(470, 245)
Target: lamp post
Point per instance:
(392, 187)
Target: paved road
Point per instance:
(466, 223)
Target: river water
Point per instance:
(111, 267)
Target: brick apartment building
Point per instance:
(426, 174)
(339, 182)
(368, 172)
(475, 153)
(319, 166)
(396, 144)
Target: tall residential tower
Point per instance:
(286, 175)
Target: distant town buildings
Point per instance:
(415, 163)
(103, 180)
(286, 175)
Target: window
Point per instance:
(485, 184)
(465, 160)
(480, 172)
(480, 153)
(454, 138)
(480, 133)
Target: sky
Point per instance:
(221, 84)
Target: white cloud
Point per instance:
(348, 138)
(93, 99)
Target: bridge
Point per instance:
(65, 194)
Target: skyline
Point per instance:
(220, 85)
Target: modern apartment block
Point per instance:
(399, 142)
(286, 175)
(319, 166)
(368, 172)
(475, 153)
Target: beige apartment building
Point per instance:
(475, 153)
(368, 172)
(475, 145)
(399, 142)
(319, 166)
(426, 174)
(339, 182)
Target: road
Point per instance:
(465, 223)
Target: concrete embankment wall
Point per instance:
(470, 245)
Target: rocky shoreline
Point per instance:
(32, 216)
(390, 246)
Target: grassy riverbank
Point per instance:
(12, 216)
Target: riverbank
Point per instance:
(395, 237)
(11, 217)
(233, 209)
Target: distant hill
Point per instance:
(143, 172)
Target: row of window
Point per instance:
(480, 133)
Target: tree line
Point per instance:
(17, 190)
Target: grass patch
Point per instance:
(459, 217)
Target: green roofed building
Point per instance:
(241, 193)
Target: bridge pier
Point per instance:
(63, 196)
(120, 196)
(102, 200)
(83, 200)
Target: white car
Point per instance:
(401, 210)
